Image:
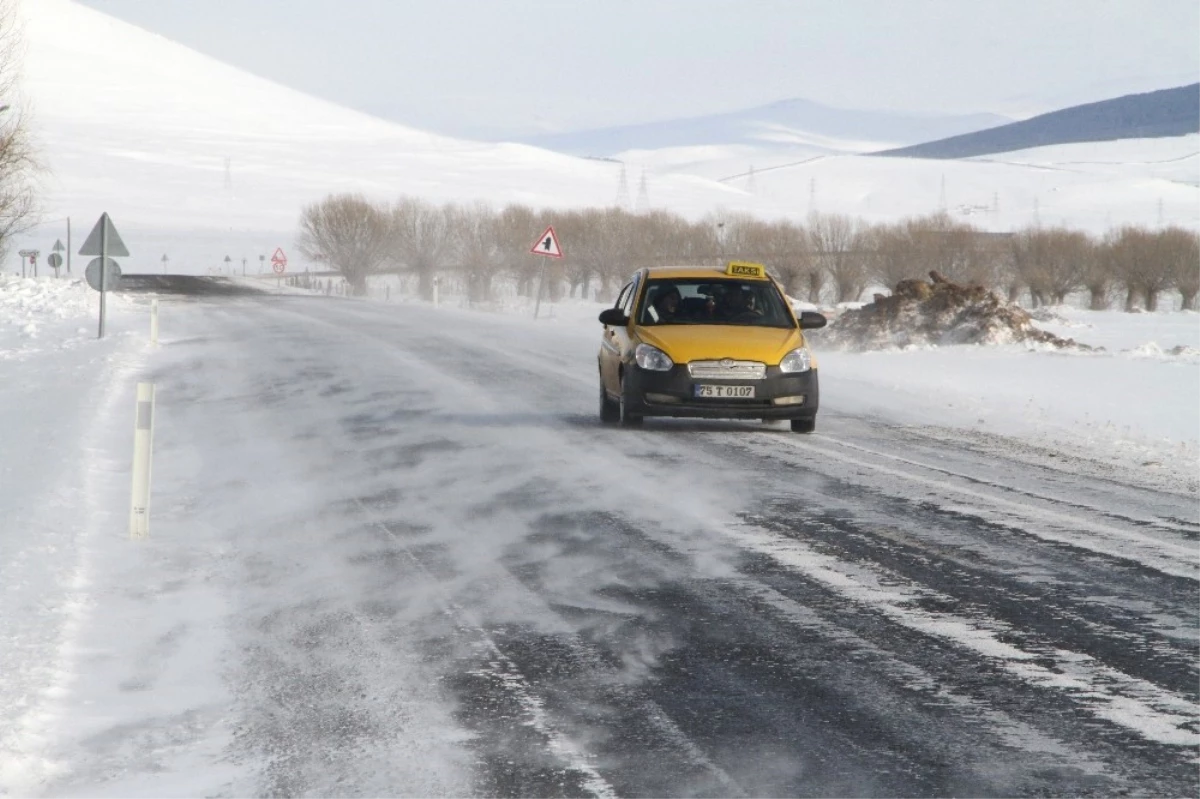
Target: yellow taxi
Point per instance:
(710, 342)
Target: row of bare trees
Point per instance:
(827, 258)
(18, 162)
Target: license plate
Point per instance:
(725, 392)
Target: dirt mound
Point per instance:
(937, 313)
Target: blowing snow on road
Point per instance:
(394, 552)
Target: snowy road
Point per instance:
(394, 552)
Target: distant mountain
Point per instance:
(782, 123)
(1167, 112)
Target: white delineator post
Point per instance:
(143, 441)
(154, 322)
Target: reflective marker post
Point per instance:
(154, 322)
(143, 441)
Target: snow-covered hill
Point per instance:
(197, 160)
(1092, 186)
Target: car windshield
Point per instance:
(693, 301)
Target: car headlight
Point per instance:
(798, 360)
(652, 358)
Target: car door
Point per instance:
(623, 336)
(610, 348)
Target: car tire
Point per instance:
(806, 425)
(628, 419)
(610, 411)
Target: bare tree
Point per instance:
(1187, 278)
(1099, 278)
(1052, 262)
(1126, 250)
(660, 238)
(1142, 266)
(840, 250)
(1180, 249)
(603, 245)
(517, 228)
(18, 160)
(421, 240)
(897, 257)
(578, 266)
(783, 246)
(475, 232)
(349, 234)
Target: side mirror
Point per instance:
(614, 317)
(811, 320)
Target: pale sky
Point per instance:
(493, 67)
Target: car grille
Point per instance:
(727, 369)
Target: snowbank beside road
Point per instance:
(43, 313)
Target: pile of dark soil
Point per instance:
(937, 312)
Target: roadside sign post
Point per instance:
(103, 274)
(56, 260)
(278, 265)
(103, 240)
(31, 256)
(547, 245)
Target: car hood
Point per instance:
(686, 343)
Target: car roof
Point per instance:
(702, 272)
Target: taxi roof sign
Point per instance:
(746, 269)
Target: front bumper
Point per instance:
(672, 393)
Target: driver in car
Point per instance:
(739, 306)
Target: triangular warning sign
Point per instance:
(547, 244)
(115, 247)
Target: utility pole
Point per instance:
(622, 191)
(643, 198)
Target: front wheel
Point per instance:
(804, 425)
(628, 419)
(610, 412)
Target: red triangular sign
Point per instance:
(547, 244)
(279, 257)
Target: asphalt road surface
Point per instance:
(442, 575)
